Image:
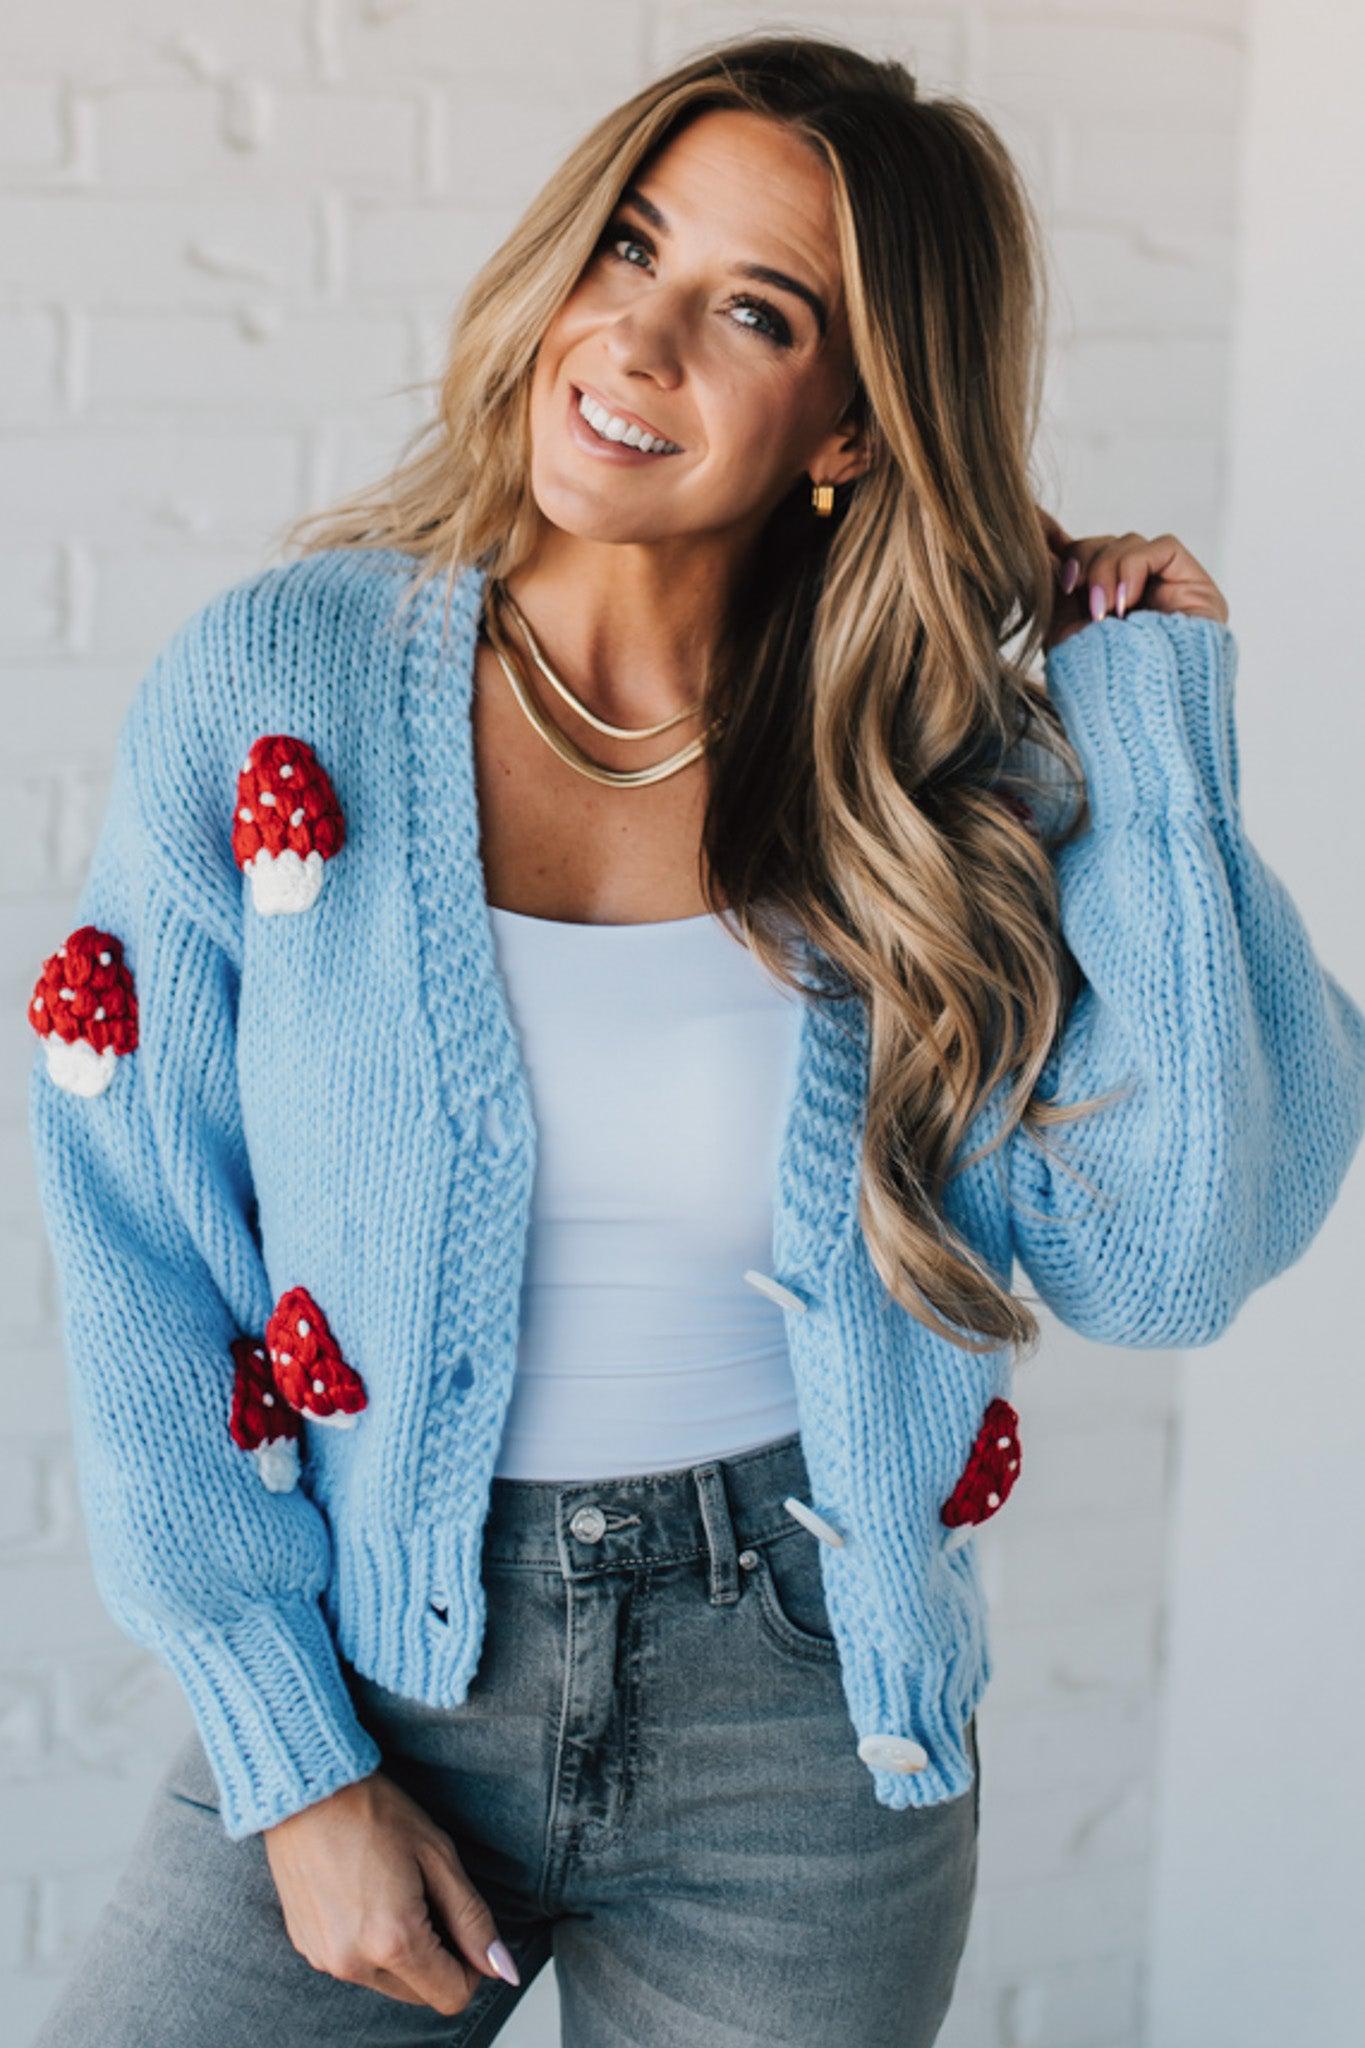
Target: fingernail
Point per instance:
(500, 1957)
(1069, 574)
(1096, 601)
(1120, 598)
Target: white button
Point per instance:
(963, 1533)
(816, 1523)
(774, 1289)
(892, 1753)
(589, 1523)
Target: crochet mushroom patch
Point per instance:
(261, 1421)
(84, 1007)
(309, 1369)
(287, 824)
(991, 1470)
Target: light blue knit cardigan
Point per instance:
(334, 1100)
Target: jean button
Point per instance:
(589, 1524)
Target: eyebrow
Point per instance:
(633, 196)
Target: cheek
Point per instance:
(544, 376)
(565, 329)
(753, 424)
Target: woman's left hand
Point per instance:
(1119, 573)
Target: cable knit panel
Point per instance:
(310, 1135)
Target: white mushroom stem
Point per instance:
(284, 882)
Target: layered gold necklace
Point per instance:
(496, 594)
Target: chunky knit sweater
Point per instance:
(285, 1154)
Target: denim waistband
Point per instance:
(712, 1510)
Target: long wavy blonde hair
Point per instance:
(869, 781)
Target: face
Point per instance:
(668, 327)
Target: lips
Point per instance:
(631, 418)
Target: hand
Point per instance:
(357, 1873)
(1161, 574)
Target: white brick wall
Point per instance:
(228, 235)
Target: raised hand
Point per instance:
(1109, 574)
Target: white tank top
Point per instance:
(661, 1060)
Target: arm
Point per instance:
(1242, 1057)
(146, 1193)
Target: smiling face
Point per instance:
(670, 326)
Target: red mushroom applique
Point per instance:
(287, 824)
(990, 1472)
(309, 1369)
(261, 1421)
(84, 1007)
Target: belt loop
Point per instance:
(720, 1532)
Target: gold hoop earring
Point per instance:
(822, 498)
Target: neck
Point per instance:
(630, 631)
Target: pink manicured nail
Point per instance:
(1121, 599)
(499, 1955)
(1096, 601)
(1069, 574)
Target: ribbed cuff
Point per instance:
(1148, 702)
(930, 1698)
(276, 1720)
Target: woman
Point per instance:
(539, 1116)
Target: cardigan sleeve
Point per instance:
(1239, 1058)
(146, 1194)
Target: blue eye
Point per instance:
(776, 332)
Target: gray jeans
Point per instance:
(653, 1782)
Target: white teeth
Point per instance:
(612, 428)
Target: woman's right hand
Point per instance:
(362, 1875)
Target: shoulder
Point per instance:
(285, 647)
(301, 649)
(267, 629)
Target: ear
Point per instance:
(856, 461)
(839, 469)
(844, 455)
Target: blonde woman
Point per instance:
(593, 974)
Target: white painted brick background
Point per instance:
(229, 238)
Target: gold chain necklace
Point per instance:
(575, 703)
(559, 742)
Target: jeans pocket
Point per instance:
(791, 1595)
